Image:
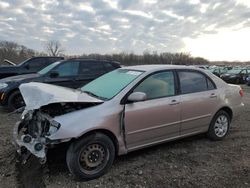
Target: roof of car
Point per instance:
(89, 59)
(159, 67)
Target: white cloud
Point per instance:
(170, 13)
(139, 13)
(194, 2)
(150, 1)
(102, 26)
(204, 8)
(243, 2)
(86, 7)
(4, 4)
(47, 30)
(234, 44)
(105, 27)
(112, 3)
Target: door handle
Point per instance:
(212, 95)
(174, 102)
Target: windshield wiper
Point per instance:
(94, 95)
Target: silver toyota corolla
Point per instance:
(122, 111)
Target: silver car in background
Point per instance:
(122, 111)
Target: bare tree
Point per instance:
(14, 52)
(54, 48)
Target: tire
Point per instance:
(219, 126)
(90, 157)
(15, 101)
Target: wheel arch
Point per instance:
(106, 132)
(11, 92)
(227, 110)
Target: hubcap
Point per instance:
(92, 158)
(221, 126)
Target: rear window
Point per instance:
(192, 82)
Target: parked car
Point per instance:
(218, 71)
(125, 110)
(236, 76)
(31, 65)
(72, 73)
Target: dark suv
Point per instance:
(72, 73)
(31, 65)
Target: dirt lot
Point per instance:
(191, 162)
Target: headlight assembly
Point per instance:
(3, 85)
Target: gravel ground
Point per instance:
(191, 162)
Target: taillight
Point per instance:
(241, 92)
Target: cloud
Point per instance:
(105, 26)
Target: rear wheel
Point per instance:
(90, 157)
(15, 101)
(219, 126)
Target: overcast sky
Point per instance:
(216, 30)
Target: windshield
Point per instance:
(110, 84)
(48, 68)
(234, 71)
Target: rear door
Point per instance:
(156, 119)
(198, 101)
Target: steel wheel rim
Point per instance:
(221, 126)
(93, 158)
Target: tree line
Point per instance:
(18, 53)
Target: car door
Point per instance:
(157, 118)
(198, 101)
(88, 71)
(64, 74)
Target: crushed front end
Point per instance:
(32, 132)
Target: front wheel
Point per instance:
(90, 157)
(219, 126)
(15, 101)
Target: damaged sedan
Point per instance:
(125, 110)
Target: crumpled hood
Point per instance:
(37, 94)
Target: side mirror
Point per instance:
(53, 74)
(137, 96)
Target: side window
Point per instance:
(158, 85)
(36, 64)
(108, 66)
(210, 85)
(67, 69)
(52, 60)
(191, 82)
(243, 72)
(92, 68)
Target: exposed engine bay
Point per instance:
(32, 133)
